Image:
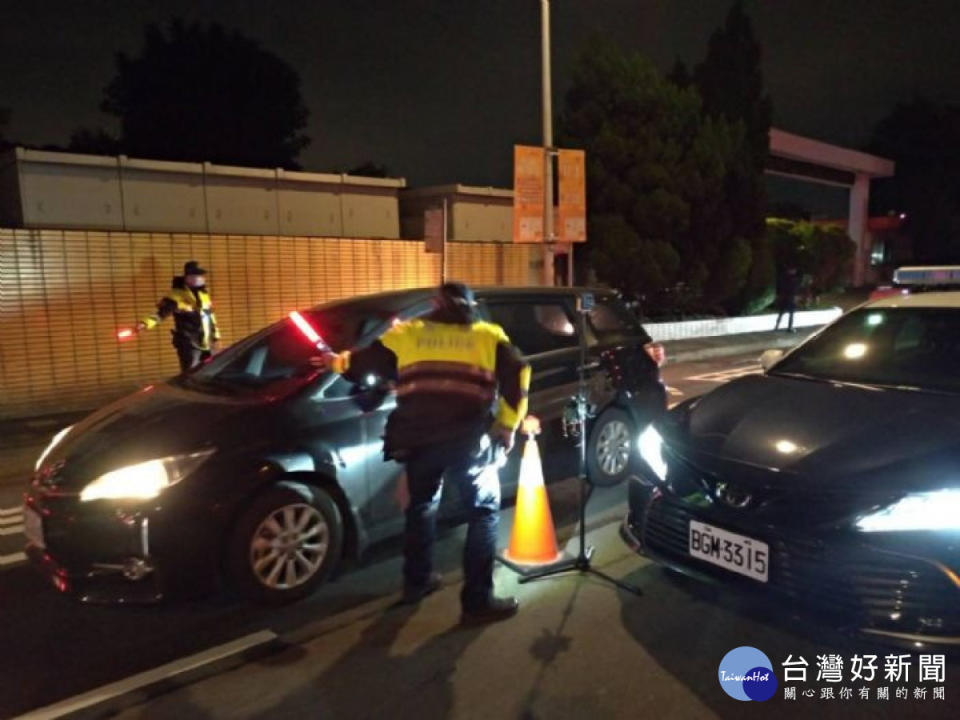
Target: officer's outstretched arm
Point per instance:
(375, 359)
(165, 309)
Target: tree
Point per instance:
(923, 138)
(651, 159)
(788, 210)
(198, 93)
(824, 254)
(730, 81)
(679, 75)
(93, 142)
(4, 120)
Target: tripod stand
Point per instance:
(582, 563)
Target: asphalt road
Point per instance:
(52, 648)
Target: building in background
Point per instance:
(474, 214)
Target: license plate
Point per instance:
(728, 550)
(33, 527)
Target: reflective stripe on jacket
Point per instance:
(448, 376)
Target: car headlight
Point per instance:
(936, 510)
(144, 480)
(650, 444)
(49, 448)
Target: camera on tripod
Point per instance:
(574, 419)
(576, 412)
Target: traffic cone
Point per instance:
(533, 540)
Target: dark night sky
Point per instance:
(439, 90)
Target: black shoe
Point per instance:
(494, 611)
(412, 594)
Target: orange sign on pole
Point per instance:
(527, 194)
(571, 167)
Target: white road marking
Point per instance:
(140, 680)
(11, 511)
(724, 375)
(674, 391)
(15, 530)
(12, 520)
(12, 559)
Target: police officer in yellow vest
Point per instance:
(195, 332)
(461, 392)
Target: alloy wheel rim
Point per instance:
(289, 546)
(613, 447)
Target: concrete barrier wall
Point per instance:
(732, 326)
(41, 189)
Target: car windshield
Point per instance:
(281, 353)
(610, 318)
(909, 348)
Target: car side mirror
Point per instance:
(370, 393)
(770, 358)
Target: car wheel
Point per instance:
(285, 544)
(610, 450)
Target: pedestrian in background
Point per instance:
(786, 297)
(195, 332)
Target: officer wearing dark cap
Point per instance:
(461, 391)
(195, 332)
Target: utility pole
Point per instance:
(548, 149)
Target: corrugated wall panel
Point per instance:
(64, 295)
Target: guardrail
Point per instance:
(687, 329)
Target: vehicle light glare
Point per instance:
(137, 482)
(786, 447)
(874, 319)
(855, 351)
(937, 510)
(145, 480)
(53, 443)
(651, 451)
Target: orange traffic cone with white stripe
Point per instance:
(533, 540)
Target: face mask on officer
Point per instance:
(195, 281)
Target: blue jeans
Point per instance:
(461, 463)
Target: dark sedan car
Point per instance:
(259, 469)
(831, 481)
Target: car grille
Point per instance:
(875, 588)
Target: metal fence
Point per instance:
(64, 295)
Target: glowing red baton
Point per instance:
(126, 334)
(308, 332)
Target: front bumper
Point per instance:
(890, 596)
(107, 553)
